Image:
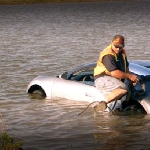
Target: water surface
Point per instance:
(53, 38)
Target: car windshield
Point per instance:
(82, 74)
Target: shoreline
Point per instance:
(24, 2)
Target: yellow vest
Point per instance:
(100, 68)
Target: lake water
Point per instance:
(53, 38)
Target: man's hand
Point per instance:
(133, 78)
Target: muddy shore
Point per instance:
(20, 2)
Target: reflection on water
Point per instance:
(122, 132)
(51, 39)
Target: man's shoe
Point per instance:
(101, 106)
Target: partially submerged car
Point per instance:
(78, 85)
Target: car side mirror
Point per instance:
(63, 75)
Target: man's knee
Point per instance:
(121, 91)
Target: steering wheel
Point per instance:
(87, 78)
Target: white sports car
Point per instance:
(78, 85)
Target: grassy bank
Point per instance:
(14, 2)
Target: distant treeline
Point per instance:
(14, 2)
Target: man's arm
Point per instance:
(110, 63)
(122, 75)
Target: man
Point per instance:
(111, 71)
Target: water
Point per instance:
(53, 38)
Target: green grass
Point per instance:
(9, 143)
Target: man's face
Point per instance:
(116, 48)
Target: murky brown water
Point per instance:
(50, 39)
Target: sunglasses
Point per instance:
(117, 46)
